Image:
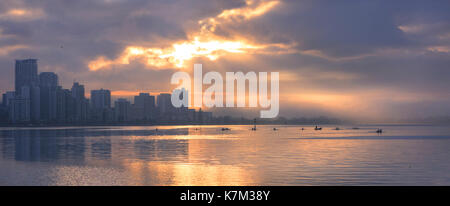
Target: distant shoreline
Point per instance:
(215, 124)
(159, 124)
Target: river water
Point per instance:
(206, 155)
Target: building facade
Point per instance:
(27, 91)
(101, 105)
(144, 107)
(48, 82)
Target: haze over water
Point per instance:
(206, 155)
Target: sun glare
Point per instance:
(201, 44)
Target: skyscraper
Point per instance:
(48, 82)
(20, 107)
(101, 99)
(144, 106)
(4, 99)
(48, 79)
(165, 103)
(100, 104)
(8, 98)
(61, 98)
(81, 104)
(26, 75)
(122, 110)
(35, 103)
(4, 109)
(78, 91)
(69, 106)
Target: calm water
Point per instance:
(205, 155)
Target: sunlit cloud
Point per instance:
(204, 43)
(19, 14)
(412, 28)
(320, 54)
(5, 50)
(251, 10)
(175, 55)
(442, 49)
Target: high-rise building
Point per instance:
(81, 104)
(60, 105)
(101, 99)
(8, 97)
(3, 109)
(69, 106)
(78, 91)
(48, 79)
(66, 111)
(35, 103)
(19, 110)
(26, 75)
(100, 105)
(165, 106)
(4, 99)
(144, 106)
(64, 106)
(48, 82)
(122, 110)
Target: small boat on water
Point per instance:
(355, 128)
(337, 128)
(318, 128)
(225, 129)
(379, 131)
(275, 129)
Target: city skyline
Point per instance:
(38, 98)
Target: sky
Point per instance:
(363, 60)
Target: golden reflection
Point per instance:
(195, 166)
(201, 174)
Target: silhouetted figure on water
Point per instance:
(254, 125)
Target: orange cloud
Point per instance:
(19, 14)
(201, 44)
(8, 49)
